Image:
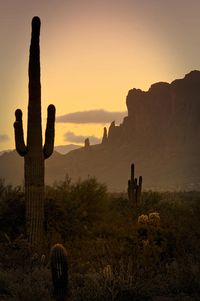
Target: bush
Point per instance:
(12, 212)
(74, 209)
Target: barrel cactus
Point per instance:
(59, 271)
(33, 152)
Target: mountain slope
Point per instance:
(64, 149)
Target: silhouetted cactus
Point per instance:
(59, 270)
(34, 154)
(134, 189)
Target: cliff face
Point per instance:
(161, 135)
(166, 116)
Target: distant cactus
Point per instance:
(59, 270)
(34, 154)
(134, 189)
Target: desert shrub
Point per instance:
(114, 253)
(12, 211)
(31, 286)
(74, 209)
(5, 283)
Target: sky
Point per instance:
(92, 53)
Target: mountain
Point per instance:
(64, 149)
(160, 135)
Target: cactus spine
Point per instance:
(34, 154)
(134, 189)
(59, 270)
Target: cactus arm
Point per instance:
(140, 187)
(50, 132)
(140, 182)
(19, 134)
(132, 172)
(136, 195)
(135, 183)
(139, 191)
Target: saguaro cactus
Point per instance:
(134, 189)
(59, 270)
(33, 152)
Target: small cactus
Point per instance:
(59, 270)
(134, 189)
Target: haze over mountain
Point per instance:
(62, 149)
(160, 135)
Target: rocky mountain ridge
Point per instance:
(160, 135)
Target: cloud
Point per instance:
(92, 116)
(4, 138)
(71, 137)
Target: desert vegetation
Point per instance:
(77, 241)
(115, 251)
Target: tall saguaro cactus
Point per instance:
(33, 152)
(134, 189)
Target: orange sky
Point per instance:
(92, 53)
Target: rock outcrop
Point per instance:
(167, 116)
(105, 136)
(87, 142)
